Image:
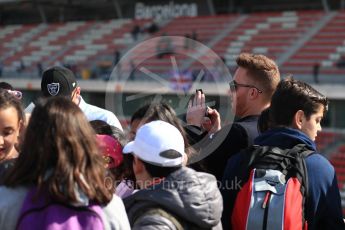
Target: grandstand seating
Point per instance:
(45, 42)
(205, 28)
(325, 139)
(338, 161)
(273, 34)
(12, 36)
(103, 40)
(74, 42)
(267, 33)
(325, 48)
(86, 42)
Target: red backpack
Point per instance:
(274, 189)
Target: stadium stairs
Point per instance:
(325, 49)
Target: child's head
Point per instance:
(298, 105)
(158, 111)
(158, 150)
(60, 152)
(111, 141)
(152, 112)
(5, 85)
(111, 151)
(101, 127)
(11, 120)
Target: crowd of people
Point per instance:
(70, 165)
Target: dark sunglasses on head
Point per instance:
(234, 85)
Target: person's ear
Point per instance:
(75, 95)
(27, 119)
(20, 137)
(22, 126)
(298, 119)
(77, 92)
(138, 165)
(185, 160)
(253, 93)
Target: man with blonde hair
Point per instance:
(251, 89)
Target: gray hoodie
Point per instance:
(191, 196)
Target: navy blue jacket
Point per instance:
(323, 203)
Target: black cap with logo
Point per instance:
(58, 81)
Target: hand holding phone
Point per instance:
(211, 121)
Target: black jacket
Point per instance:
(215, 150)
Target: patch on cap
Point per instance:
(53, 88)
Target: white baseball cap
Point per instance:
(152, 142)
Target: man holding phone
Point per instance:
(251, 89)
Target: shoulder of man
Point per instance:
(156, 218)
(249, 126)
(93, 112)
(148, 214)
(159, 218)
(233, 137)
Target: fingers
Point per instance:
(207, 110)
(214, 116)
(196, 109)
(190, 103)
(198, 97)
(206, 124)
(203, 101)
(195, 99)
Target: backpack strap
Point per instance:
(303, 152)
(249, 156)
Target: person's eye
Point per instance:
(8, 132)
